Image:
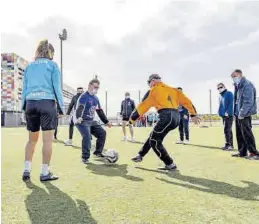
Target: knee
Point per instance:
(103, 134)
(33, 142)
(154, 143)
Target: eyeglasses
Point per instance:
(96, 87)
(221, 87)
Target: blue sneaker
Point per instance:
(48, 177)
(26, 176)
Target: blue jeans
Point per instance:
(184, 128)
(86, 131)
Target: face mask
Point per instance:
(236, 80)
(127, 97)
(94, 91)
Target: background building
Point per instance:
(257, 102)
(12, 71)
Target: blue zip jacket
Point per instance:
(245, 96)
(226, 103)
(42, 80)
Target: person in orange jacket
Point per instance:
(166, 100)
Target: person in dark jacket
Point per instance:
(127, 107)
(226, 105)
(71, 108)
(244, 107)
(88, 103)
(57, 119)
(184, 123)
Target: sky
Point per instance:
(194, 45)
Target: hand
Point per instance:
(226, 114)
(109, 124)
(196, 120)
(185, 117)
(79, 120)
(240, 118)
(131, 122)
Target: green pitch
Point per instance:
(210, 187)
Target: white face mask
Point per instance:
(127, 97)
(221, 90)
(236, 80)
(94, 91)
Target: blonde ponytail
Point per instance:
(44, 50)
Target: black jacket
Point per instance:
(73, 103)
(127, 107)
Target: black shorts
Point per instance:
(125, 118)
(41, 114)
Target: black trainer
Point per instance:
(26, 176)
(48, 177)
(137, 159)
(238, 155)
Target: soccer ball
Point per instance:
(111, 156)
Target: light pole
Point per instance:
(62, 37)
(106, 102)
(210, 108)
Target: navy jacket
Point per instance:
(73, 103)
(245, 96)
(226, 103)
(86, 107)
(127, 107)
(182, 111)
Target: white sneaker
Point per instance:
(186, 142)
(131, 140)
(179, 142)
(69, 142)
(124, 139)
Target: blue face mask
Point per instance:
(236, 80)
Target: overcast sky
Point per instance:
(191, 44)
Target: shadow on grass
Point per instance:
(206, 146)
(112, 170)
(137, 142)
(54, 206)
(73, 146)
(250, 193)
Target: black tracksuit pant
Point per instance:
(56, 129)
(168, 120)
(71, 129)
(228, 121)
(245, 137)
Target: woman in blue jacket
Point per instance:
(41, 100)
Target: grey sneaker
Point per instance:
(229, 148)
(137, 159)
(26, 176)
(85, 161)
(256, 157)
(171, 167)
(48, 177)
